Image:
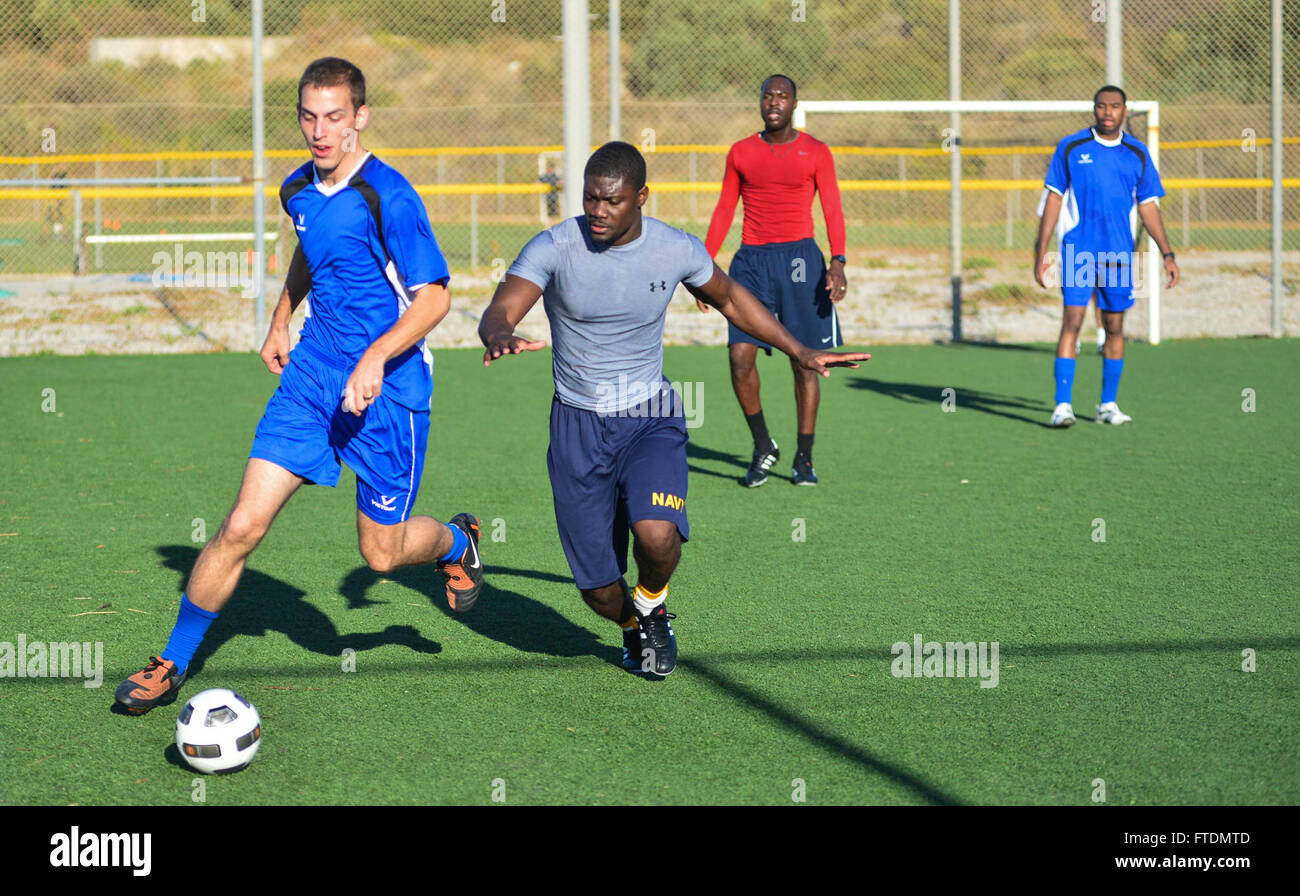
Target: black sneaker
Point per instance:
(632, 650)
(802, 471)
(464, 576)
(658, 643)
(631, 640)
(756, 475)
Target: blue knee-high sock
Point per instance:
(459, 542)
(191, 625)
(1063, 372)
(1111, 370)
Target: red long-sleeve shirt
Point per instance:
(777, 183)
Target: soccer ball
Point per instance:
(218, 732)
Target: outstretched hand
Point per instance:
(820, 361)
(510, 345)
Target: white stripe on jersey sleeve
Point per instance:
(1069, 217)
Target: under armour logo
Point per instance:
(662, 284)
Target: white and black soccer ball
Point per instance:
(218, 732)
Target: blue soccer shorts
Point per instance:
(306, 431)
(1112, 281)
(609, 472)
(789, 279)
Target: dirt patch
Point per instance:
(896, 297)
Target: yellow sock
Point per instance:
(645, 601)
(630, 624)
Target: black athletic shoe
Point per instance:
(632, 650)
(464, 576)
(802, 471)
(631, 640)
(658, 643)
(756, 475)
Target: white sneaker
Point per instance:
(1063, 416)
(1101, 340)
(1110, 413)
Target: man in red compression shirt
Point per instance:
(776, 172)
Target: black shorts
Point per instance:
(790, 280)
(609, 471)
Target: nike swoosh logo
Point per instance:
(827, 339)
(476, 564)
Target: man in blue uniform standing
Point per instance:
(1095, 178)
(617, 459)
(358, 385)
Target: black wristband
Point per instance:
(1168, 255)
(840, 258)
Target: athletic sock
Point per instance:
(459, 543)
(630, 624)
(1111, 369)
(805, 443)
(1101, 337)
(1063, 373)
(758, 429)
(192, 623)
(646, 601)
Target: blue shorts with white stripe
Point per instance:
(306, 431)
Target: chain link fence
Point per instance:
(466, 100)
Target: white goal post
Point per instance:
(1155, 266)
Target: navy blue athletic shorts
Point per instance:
(306, 431)
(609, 471)
(790, 280)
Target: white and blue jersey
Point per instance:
(369, 247)
(1101, 183)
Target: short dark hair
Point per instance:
(1110, 88)
(619, 160)
(331, 71)
(794, 91)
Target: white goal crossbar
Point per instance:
(1155, 265)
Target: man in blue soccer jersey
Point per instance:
(355, 390)
(617, 459)
(1094, 179)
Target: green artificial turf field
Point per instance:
(1119, 659)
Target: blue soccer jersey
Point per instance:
(1101, 183)
(369, 248)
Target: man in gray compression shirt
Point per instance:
(617, 459)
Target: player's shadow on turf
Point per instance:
(699, 452)
(505, 616)
(966, 399)
(1005, 346)
(263, 603)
